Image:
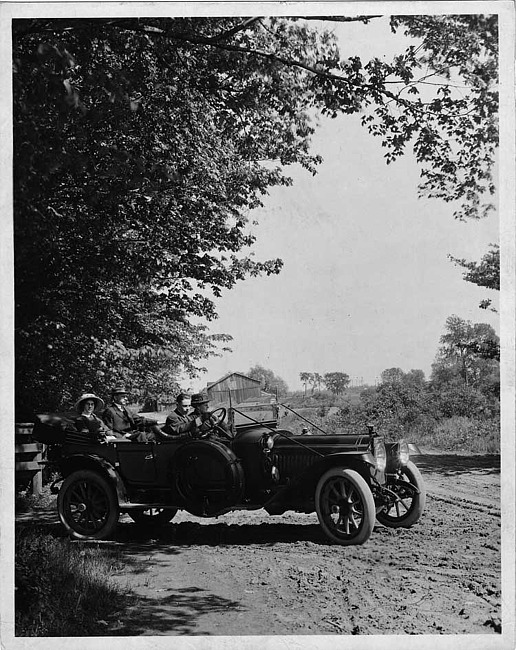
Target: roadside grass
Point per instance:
(25, 501)
(457, 433)
(63, 588)
(460, 434)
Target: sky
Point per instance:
(366, 283)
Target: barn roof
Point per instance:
(230, 374)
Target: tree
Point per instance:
(485, 273)
(142, 145)
(461, 358)
(316, 381)
(336, 382)
(392, 376)
(398, 401)
(270, 382)
(305, 378)
(416, 377)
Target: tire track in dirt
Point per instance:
(279, 576)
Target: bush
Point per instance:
(460, 433)
(463, 401)
(62, 589)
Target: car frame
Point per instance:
(350, 480)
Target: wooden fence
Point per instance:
(28, 454)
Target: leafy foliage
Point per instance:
(464, 385)
(336, 382)
(305, 377)
(269, 381)
(314, 379)
(398, 401)
(485, 273)
(141, 146)
(467, 355)
(460, 58)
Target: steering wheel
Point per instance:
(220, 415)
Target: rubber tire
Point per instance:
(102, 484)
(142, 518)
(417, 507)
(362, 490)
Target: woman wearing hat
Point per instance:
(88, 422)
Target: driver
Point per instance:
(182, 424)
(203, 417)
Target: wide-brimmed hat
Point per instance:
(99, 403)
(119, 390)
(200, 398)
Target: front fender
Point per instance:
(300, 491)
(364, 463)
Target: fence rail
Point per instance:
(27, 455)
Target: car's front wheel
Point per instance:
(345, 506)
(407, 498)
(87, 505)
(152, 516)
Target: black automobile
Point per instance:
(348, 480)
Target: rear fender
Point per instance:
(96, 463)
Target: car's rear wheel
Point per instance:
(345, 506)
(87, 505)
(408, 501)
(152, 516)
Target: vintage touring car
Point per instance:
(350, 481)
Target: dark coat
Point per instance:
(179, 425)
(122, 421)
(94, 426)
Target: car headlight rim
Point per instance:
(380, 454)
(403, 452)
(267, 442)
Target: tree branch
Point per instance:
(234, 30)
(342, 19)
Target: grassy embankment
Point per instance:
(63, 588)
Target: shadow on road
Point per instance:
(449, 464)
(170, 539)
(209, 534)
(176, 611)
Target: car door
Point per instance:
(137, 462)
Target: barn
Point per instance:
(247, 395)
(239, 386)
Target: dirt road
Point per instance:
(247, 573)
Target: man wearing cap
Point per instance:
(180, 424)
(203, 418)
(124, 423)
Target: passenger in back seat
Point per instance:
(88, 422)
